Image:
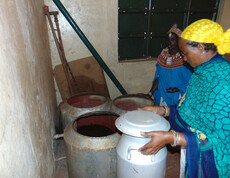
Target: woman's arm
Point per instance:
(159, 140)
(161, 110)
(154, 86)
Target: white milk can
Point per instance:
(130, 162)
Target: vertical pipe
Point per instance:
(89, 46)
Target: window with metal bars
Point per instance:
(143, 24)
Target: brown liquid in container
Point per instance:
(95, 130)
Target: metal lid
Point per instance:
(133, 122)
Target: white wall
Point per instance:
(98, 20)
(27, 95)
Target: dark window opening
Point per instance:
(143, 24)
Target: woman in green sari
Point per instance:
(201, 121)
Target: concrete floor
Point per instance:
(61, 165)
(172, 169)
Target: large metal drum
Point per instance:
(83, 103)
(130, 102)
(130, 162)
(91, 142)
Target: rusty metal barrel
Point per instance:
(83, 103)
(90, 143)
(130, 102)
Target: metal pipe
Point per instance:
(89, 46)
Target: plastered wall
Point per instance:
(224, 14)
(223, 17)
(98, 20)
(27, 93)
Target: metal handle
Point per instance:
(132, 148)
(129, 152)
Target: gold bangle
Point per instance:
(166, 111)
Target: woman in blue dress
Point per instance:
(172, 72)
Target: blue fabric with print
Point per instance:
(171, 77)
(200, 161)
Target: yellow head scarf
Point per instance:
(207, 31)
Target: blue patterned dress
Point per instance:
(203, 115)
(172, 71)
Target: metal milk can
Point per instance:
(130, 162)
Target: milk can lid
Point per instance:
(133, 122)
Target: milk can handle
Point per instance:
(132, 148)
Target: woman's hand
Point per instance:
(156, 109)
(159, 140)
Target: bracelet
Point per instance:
(166, 111)
(176, 138)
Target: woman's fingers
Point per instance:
(148, 108)
(148, 149)
(144, 134)
(159, 139)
